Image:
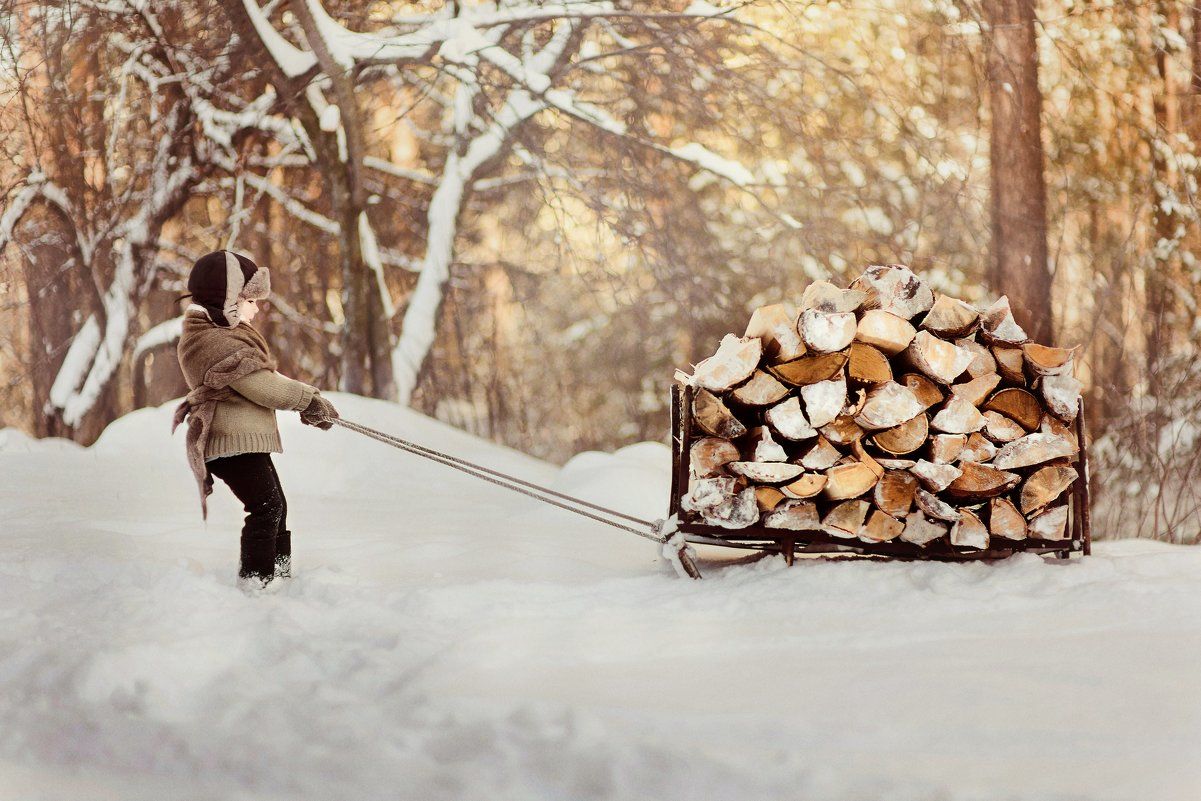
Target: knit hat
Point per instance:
(220, 279)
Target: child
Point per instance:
(235, 391)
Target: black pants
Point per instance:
(265, 535)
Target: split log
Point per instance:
(738, 511)
(969, 531)
(884, 330)
(766, 472)
(894, 289)
(941, 360)
(935, 477)
(888, 406)
(776, 326)
(789, 421)
(934, 506)
(983, 362)
(980, 481)
(945, 448)
(714, 418)
(924, 389)
(1018, 405)
(894, 492)
(958, 416)
(794, 515)
(825, 297)
(1005, 521)
(768, 498)
(1009, 363)
(1047, 360)
(708, 455)
(824, 400)
(761, 390)
(997, 324)
(921, 531)
(868, 365)
(905, 438)
(1062, 394)
(809, 369)
(976, 390)
(845, 519)
(734, 362)
(1000, 428)
(1045, 486)
(849, 480)
(950, 317)
(1050, 524)
(1053, 425)
(825, 332)
(895, 464)
(707, 493)
(881, 527)
(978, 449)
(821, 456)
(808, 485)
(843, 430)
(767, 449)
(1033, 449)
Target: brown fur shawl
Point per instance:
(223, 355)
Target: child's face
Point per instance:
(248, 309)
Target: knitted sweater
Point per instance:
(244, 422)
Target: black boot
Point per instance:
(283, 555)
(258, 563)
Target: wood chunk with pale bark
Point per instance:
(978, 449)
(845, 519)
(1053, 425)
(763, 389)
(1005, 521)
(945, 448)
(825, 332)
(808, 485)
(868, 365)
(924, 389)
(825, 297)
(935, 477)
(768, 498)
(824, 400)
(958, 416)
(969, 531)
(895, 289)
(1050, 524)
(980, 481)
(708, 455)
(1045, 486)
(895, 464)
(934, 506)
(707, 493)
(766, 449)
(1033, 449)
(997, 324)
(789, 421)
(714, 418)
(887, 406)
(1018, 405)
(894, 492)
(849, 481)
(976, 390)
(1000, 428)
(941, 360)
(866, 458)
(1047, 360)
(809, 369)
(735, 360)
(821, 456)
(1009, 363)
(905, 438)
(1062, 394)
(776, 325)
(950, 317)
(884, 330)
(738, 511)
(843, 430)
(766, 472)
(794, 515)
(921, 531)
(881, 527)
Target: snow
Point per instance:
(446, 639)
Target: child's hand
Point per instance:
(320, 413)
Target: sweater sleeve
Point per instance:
(269, 388)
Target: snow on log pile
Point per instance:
(882, 412)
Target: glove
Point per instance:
(319, 413)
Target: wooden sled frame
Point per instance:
(790, 542)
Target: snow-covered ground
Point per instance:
(446, 639)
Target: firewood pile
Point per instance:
(883, 412)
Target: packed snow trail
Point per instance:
(446, 639)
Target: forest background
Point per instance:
(520, 217)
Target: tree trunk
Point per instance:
(1019, 265)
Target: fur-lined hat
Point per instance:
(220, 279)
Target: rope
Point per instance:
(509, 482)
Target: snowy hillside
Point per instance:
(446, 639)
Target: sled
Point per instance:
(819, 544)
